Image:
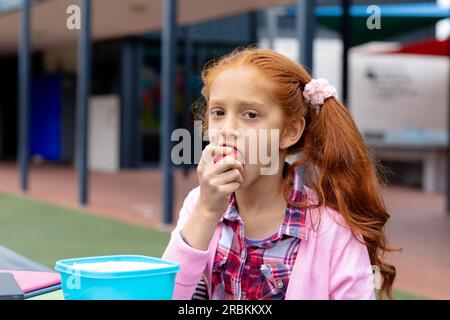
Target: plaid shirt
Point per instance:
(245, 269)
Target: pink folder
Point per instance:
(33, 280)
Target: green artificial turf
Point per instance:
(46, 233)
(398, 295)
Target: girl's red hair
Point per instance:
(336, 161)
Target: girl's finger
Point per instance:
(225, 164)
(211, 150)
(229, 188)
(229, 176)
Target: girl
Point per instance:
(312, 229)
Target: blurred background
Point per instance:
(83, 164)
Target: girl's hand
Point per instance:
(218, 177)
(218, 180)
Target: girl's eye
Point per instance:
(250, 115)
(217, 113)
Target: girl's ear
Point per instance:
(292, 133)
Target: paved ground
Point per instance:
(418, 224)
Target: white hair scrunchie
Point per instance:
(317, 91)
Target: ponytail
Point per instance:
(338, 167)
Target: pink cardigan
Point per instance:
(331, 263)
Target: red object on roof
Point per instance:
(428, 47)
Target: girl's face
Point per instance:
(242, 114)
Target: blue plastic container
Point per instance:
(151, 284)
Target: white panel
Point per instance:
(104, 133)
(397, 91)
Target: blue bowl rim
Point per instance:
(65, 266)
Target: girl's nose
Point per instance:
(230, 133)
